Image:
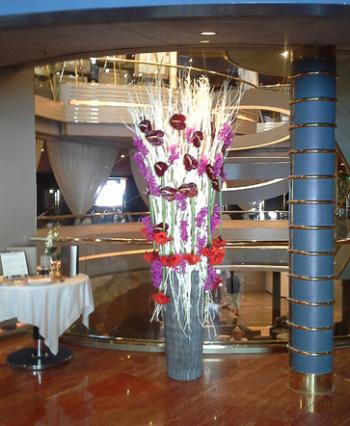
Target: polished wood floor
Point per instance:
(101, 387)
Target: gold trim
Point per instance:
(304, 302)
(310, 73)
(306, 278)
(298, 126)
(313, 99)
(312, 253)
(316, 384)
(311, 201)
(311, 227)
(306, 328)
(300, 177)
(312, 151)
(300, 352)
(182, 67)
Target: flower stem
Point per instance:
(209, 213)
(193, 227)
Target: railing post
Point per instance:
(312, 198)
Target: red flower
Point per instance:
(161, 238)
(161, 298)
(215, 255)
(151, 256)
(219, 243)
(171, 261)
(216, 283)
(191, 259)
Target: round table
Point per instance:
(51, 308)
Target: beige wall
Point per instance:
(17, 158)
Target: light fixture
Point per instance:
(93, 60)
(204, 41)
(42, 150)
(107, 69)
(285, 54)
(208, 33)
(122, 156)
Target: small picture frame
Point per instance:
(14, 264)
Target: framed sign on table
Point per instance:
(14, 264)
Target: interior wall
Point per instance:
(17, 159)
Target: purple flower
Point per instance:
(183, 230)
(211, 278)
(147, 223)
(181, 201)
(188, 133)
(215, 217)
(201, 216)
(141, 148)
(174, 153)
(157, 273)
(226, 135)
(201, 243)
(181, 267)
(153, 188)
(218, 163)
(137, 157)
(203, 162)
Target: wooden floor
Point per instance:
(101, 387)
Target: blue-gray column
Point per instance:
(312, 198)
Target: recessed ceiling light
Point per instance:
(208, 33)
(122, 156)
(204, 41)
(285, 54)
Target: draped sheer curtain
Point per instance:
(80, 170)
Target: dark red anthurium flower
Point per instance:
(160, 227)
(168, 193)
(210, 171)
(161, 238)
(190, 163)
(151, 256)
(197, 138)
(145, 126)
(160, 168)
(215, 185)
(178, 121)
(161, 298)
(155, 137)
(171, 261)
(219, 242)
(189, 190)
(191, 258)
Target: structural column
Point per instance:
(312, 198)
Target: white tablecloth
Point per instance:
(51, 307)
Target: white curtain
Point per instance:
(80, 170)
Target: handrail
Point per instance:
(91, 215)
(143, 241)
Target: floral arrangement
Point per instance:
(180, 147)
(51, 241)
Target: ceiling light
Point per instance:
(93, 60)
(122, 156)
(107, 69)
(208, 33)
(204, 41)
(285, 54)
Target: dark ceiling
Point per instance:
(42, 38)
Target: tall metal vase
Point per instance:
(184, 348)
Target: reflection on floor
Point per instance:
(106, 388)
(124, 307)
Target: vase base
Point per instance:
(185, 377)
